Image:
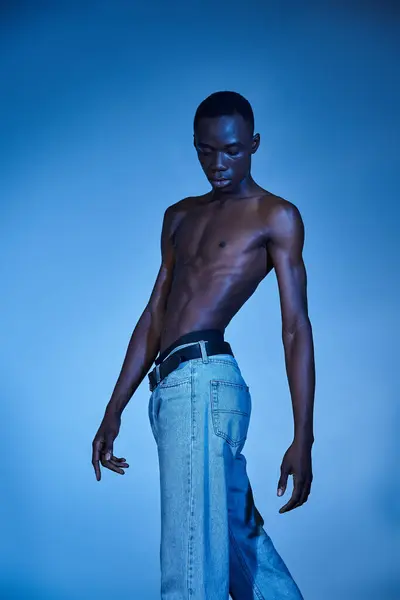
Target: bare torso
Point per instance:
(221, 257)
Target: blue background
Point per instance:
(97, 103)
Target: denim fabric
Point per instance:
(212, 538)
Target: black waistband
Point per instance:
(209, 335)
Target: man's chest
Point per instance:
(218, 232)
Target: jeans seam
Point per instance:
(244, 566)
(175, 384)
(191, 496)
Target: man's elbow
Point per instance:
(291, 328)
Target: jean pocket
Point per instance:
(230, 410)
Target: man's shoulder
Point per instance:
(281, 217)
(185, 203)
(275, 206)
(175, 212)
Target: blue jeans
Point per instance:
(212, 538)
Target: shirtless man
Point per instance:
(216, 249)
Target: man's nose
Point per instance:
(217, 162)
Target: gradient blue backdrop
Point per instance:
(97, 102)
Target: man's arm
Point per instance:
(285, 245)
(144, 343)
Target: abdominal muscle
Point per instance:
(206, 298)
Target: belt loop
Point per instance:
(158, 378)
(204, 354)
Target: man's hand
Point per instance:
(103, 446)
(296, 462)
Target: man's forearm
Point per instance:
(300, 368)
(142, 350)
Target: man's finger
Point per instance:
(97, 445)
(118, 463)
(290, 505)
(282, 483)
(296, 494)
(109, 465)
(305, 493)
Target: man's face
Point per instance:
(224, 146)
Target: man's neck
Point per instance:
(247, 188)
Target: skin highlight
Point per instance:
(216, 248)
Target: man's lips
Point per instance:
(220, 183)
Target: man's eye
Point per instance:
(233, 152)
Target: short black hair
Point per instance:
(224, 103)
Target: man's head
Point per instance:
(224, 138)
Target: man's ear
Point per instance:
(255, 143)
